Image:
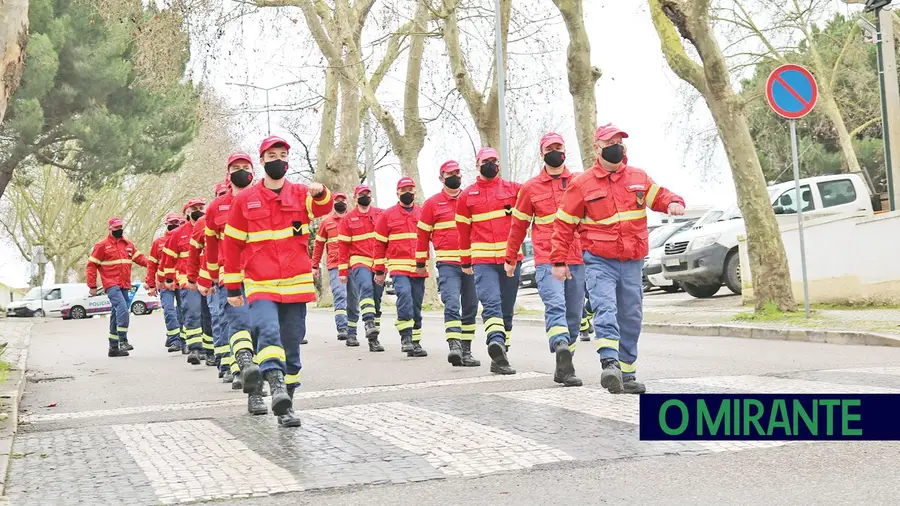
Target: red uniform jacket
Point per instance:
(538, 202)
(327, 239)
(216, 218)
(113, 258)
(357, 240)
(609, 210)
(197, 269)
(437, 223)
(154, 273)
(274, 228)
(396, 234)
(175, 254)
(483, 220)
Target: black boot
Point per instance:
(406, 343)
(467, 359)
(342, 335)
(185, 350)
(174, 347)
(371, 329)
(565, 370)
(255, 403)
(374, 345)
(236, 382)
(194, 357)
(116, 352)
(351, 341)
(221, 373)
(417, 350)
(304, 341)
(125, 345)
(227, 377)
(250, 375)
(211, 359)
(281, 401)
(290, 419)
(632, 386)
(455, 357)
(499, 361)
(611, 378)
(585, 335)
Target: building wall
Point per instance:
(849, 259)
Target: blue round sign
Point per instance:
(791, 91)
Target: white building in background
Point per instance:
(9, 294)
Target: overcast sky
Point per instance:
(637, 92)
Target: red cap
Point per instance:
(172, 218)
(270, 141)
(361, 188)
(552, 138)
(486, 153)
(340, 195)
(607, 132)
(221, 188)
(115, 222)
(239, 156)
(450, 166)
(197, 201)
(405, 181)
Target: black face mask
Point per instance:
(453, 182)
(118, 233)
(340, 206)
(196, 215)
(276, 169)
(613, 154)
(489, 169)
(241, 178)
(171, 227)
(554, 159)
(407, 198)
(364, 200)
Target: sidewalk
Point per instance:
(16, 336)
(723, 315)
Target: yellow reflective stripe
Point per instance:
(193, 332)
(557, 330)
(209, 232)
(520, 215)
(169, 252)
(152, 259)
(234, 233)
(274, 235)
(325, 198)
(494, 324)
(345, 238)
(607, 343)
(462, 219)
(184, 254)
(448, 255)
(404, 324)
(332, 240)
(617, 217)
(626, 367)
(221, 350)
(489, 246)
(195, 244)
(292, 379)
(424, 226)
(544, 220)
(651, 197)
(136, 254)
(232, 278)
(452, 323)
(410, 264)
(421, 255)
(488, 254)
(212, 267)
(121, 329)
(343, 266)
(500, 213)
(572, 346)
(380, 238)
(568, 218)
(205, 274)
(468, 327)
(362, 237)
(297, 285)
(403, 236)
(360, 259)
(92, 259)
(270, 353)
(320, 238)
(115, 262)
(182, 278)
(444, 225)
(453, 335)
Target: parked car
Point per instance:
(652, 272)
(87, 306)
(703, 258)
(54, 296)
(526, 274)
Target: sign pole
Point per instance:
(799, 214)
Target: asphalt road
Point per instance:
(377, 426)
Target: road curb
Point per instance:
(11, 395)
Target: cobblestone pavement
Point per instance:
(371, 443)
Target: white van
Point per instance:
(705, 257)
(53, 298)
(86, 306)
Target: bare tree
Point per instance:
(13, 39)
(768, 262)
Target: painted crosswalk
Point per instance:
(444, 435)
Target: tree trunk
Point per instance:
(13, 39)
(341, 169)
(768, 262)
(582, 77)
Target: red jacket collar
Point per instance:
(547, 177)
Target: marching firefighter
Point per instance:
(608, 205)
(537, 204)
(395, 253)
(437, 224)
(113, 257)
(483, 221)
(356, 239)
(272, 220)
(587, 318)
(155, 281)
(239, 337)
(174, 266)
(327, 239)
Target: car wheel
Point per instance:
(139, 308)
(670, 289)
(700, 291)
(733, 272)
(39, 313)
(77, 313)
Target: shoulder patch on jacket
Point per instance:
(636, 187)
(224, 207)
(474, 192)
(254, 204)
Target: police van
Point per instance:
(85, 306)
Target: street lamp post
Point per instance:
(267, 90)
(501, 90)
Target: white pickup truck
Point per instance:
(705, 257)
